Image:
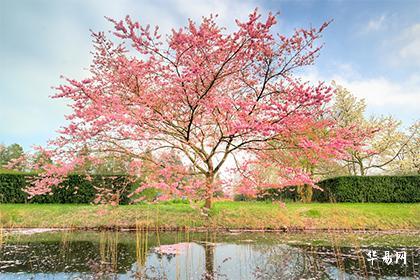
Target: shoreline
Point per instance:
(29, 230)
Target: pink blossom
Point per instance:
(194, 99)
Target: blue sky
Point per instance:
(372, 48)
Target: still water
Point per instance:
(210, 255)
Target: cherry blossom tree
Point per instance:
(201, 92)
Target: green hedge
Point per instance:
(74, 189)
(340, 189)
(401, 189)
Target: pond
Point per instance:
(209, 255)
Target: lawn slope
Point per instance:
(224, 215)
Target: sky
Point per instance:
(371, 47)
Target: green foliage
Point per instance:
(11, 185)
(400, 189)
(286, 194)
(149, 194)
(176, 201)
(9, 153)
(241, 197)
(74, 189)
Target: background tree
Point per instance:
(39, 161)
(385, 148)
(2, 154)
(274, 166)
(407, 161)
(202, 92)
(12, 155)
(384, 143)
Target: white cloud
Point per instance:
(403, 48)
(383, 96)
(409, 41)
(374, 24)
(380, 92)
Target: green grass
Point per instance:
(223, 215)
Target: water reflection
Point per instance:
(146, 255)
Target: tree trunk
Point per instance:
(361, 166)
(305, 192)
(208, 203)
(209, 259)
(209, 190)
(309, 193)
(362, 169)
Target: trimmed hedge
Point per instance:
(77, 189)
(398, 189)
(74, 189)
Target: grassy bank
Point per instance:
(224, 215)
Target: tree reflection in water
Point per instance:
(169, 256)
